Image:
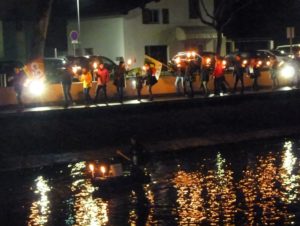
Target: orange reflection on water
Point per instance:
(88, 211)
(217, 206)
(40, 209)
(267, 189)
(191, 208)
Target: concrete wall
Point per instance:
(104, 35)
(165, 85)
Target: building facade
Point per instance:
(160, 30)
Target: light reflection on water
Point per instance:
(186, 190)
(40, 209)
(87, 210)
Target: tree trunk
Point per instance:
(219, 42)
(40, 33)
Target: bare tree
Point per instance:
(41, 29)
(223, 13)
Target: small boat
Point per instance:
(112, 177)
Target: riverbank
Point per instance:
(35, 138)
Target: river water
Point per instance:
(254, 183)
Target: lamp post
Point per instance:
(78, 18)
(78, 23)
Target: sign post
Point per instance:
(74, 35)
(290, 34)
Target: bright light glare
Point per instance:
(102, 169)
(133, 83)
(287, 71)
(91, 166)
(129, 61)
(36, 87)
(76, 68)
(95, 65)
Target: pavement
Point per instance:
(12, 109)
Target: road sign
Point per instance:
(74, 35)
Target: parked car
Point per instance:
(7, 71)
(285, 49)
(53, 68)
(262, 58)
(181, 58)
(91, 62)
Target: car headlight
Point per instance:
(36, 87)
(287, 71)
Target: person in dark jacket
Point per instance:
(274, 70)
(253, 71)
(238, 73)
(139, 85)
(19, 78)
(102, 77)
(188, 79)
(119, 80)
(150, 79)
(137, 152)
(66, 82)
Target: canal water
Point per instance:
(254, 183)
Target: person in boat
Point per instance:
(137, 152)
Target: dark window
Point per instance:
(165, 16)
(193, 9)
(150, 16)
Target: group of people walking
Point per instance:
(102, 77)
(184, 72)
(215, 69)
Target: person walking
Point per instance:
(179, 82)
(253, 71)
(205, 73)
(102, 77)
(188, 79)
(66, 82)
(150, 79)
(238, 73)
(86, 79)
(119, 80)
(19, 78)
(139, 85)
(218, 75)
(274, 70)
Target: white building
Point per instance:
(160, 30)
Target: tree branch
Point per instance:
(235, 12)
(206, 22)
(205, 10)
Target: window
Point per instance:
(193, 9)
(150, 16)
(165, 16)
